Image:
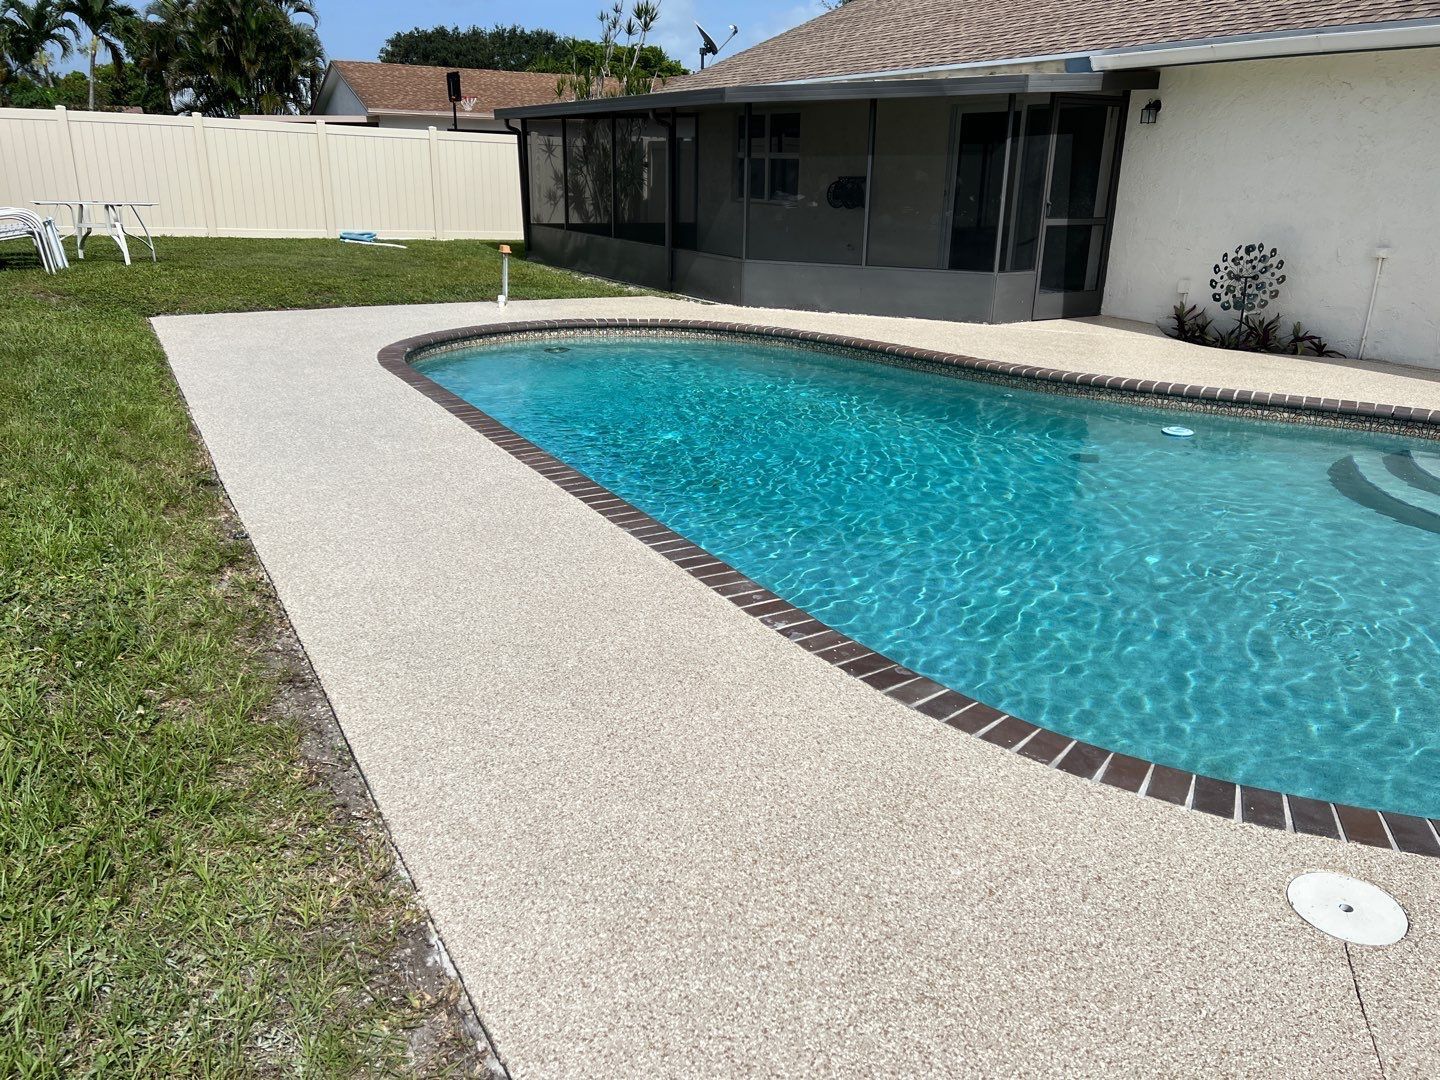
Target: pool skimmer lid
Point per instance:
(1351, 910)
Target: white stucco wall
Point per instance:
(1325, 158)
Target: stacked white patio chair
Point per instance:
(17, 223)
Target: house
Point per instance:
(1005, 160)
(414, 96)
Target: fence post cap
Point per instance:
(504, 249)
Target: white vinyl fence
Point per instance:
(265, 177)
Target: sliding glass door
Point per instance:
(979, 187)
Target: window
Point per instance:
(774, 144)
(979, 180)
(808, 170)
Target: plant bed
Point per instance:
(1246, 281)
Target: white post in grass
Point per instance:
(504, 275)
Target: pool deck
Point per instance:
(661, 840)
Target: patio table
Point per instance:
(113, 210)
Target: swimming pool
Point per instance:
(1251, 603)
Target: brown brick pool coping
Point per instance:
(1223, 798)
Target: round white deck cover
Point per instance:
(1351, 910)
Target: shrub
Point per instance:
(1250, 334)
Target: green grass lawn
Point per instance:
(178, 893)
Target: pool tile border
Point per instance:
(1051, 749)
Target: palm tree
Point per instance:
(231, 56)
(105, 20)
(31, 29)
(7, 47)
(153, 43)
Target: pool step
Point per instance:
(1400, 486)
(1417, 470)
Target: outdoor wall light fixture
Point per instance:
(1151, 112)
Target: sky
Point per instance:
(355, 29)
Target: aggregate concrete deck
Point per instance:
(660, 840)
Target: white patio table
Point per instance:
(113, 224)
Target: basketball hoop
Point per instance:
(468, 103)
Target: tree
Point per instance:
(104, 19)
(7, 70)
(501, 48)
(222, 57)
(512, 48)
(616, 70)
(153, 44)
(32, 29)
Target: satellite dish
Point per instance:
(707, 43)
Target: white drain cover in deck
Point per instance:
(1351, 910)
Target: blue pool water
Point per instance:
(1212, 603)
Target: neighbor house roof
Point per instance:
(414, 88)
(873, 36)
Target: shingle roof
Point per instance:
(885, 35)
(416, 88)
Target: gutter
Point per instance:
(1372, 37)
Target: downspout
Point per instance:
(522, 149)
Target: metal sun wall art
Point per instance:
(1247, 279)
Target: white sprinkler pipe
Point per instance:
(504, 275)
(1381, 254)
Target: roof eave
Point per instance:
(1325, 40)
(842, 90)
